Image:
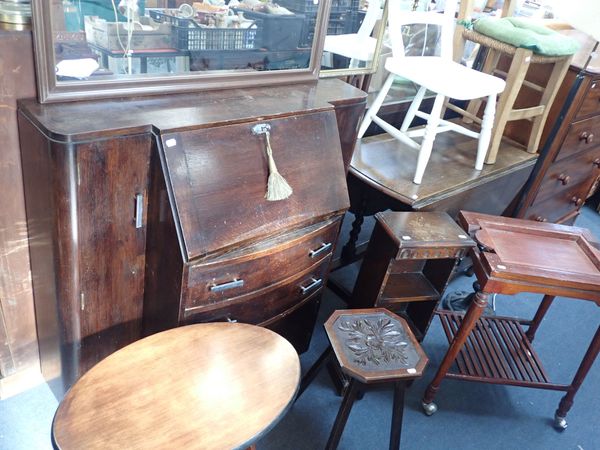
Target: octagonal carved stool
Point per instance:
(373, 346)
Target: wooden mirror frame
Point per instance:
(372, 68)
(52, 90)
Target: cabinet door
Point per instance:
(112, 178)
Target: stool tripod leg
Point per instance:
(342, 416)
(313, 371)
(397, 413)
(470, 320)
(566, 402)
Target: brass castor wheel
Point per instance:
(429, 408)
(560, 423)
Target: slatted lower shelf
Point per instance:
(496, 351)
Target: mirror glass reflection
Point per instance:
(120, 39)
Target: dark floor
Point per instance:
(470, 416)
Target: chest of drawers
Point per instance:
(146, 214)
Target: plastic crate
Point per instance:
(278, 32)
(191, 36)
(339, 23)
(310, 7)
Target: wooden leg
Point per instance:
(539, 315)
(349, 249)
(374, 109)
(487, 123)
(412, 109)
(342, 416)
(428, 138)
(514, 81)
(313, 371)
(567, 401)
(397, 413)
(473, 314)
(252, 447)
(552, 87)
(490, 63)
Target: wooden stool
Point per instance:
(515, 79)
(518, 256)
(410, 258)
(208, 386)
(372, 346)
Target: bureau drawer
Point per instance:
(583, 135)
(562, 176)
(260, 307)
(591, 102)
(218, 179)
(562, 204)
(261, 266)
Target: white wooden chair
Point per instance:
(359, 46)
(440, 75)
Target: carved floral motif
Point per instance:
(376, 341)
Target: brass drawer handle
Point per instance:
(322, 249)
(315, 283)
(564, 179)
(578, 201)
(587, 137)
(225, 286)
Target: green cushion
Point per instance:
(522, 33)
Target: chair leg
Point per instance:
(428, 138)
(554, 82)
(514, 81)
(374, 109)
(485, 135)
(413, 108)
(490, 63)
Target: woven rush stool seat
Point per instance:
(521, 59)
(372, 346)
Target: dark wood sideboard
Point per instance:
(149, 213)
(569, 165)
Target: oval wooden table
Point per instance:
(209, 386)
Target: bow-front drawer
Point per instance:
(265, 305)
(260, 266)
(218, 179)
(591, 102)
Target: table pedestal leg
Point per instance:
(397, 413)
(566, 402)
(342, 416)
(473, 314)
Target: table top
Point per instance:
(518, 255)
(375, 345)
(209, 386)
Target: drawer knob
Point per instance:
(596, 162)
(587, 137)
(578, 201)
(315, 283)
(225, 286)
(322, 249)
(541, 219)
(564, 179)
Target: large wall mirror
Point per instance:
(106, 48)
(355, 37)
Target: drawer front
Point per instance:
(221, 281)
(562, 177)
(260, 307)
(583, 135)
(218, 177)
(591, 102)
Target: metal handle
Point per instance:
(139, 211)
(229, 285)
(541, 219)
(596, 162)
(577, 200)
(315, 283)
(564, 179)
(261, 128)
(323, 248)
(587, 137)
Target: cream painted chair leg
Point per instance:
(413, 108)
(487, 123)
(428, 138)
(374, 109)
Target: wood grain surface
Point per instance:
(209, 386)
